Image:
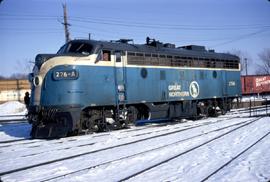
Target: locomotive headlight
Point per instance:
(37, 80)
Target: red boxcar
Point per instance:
(255, 84)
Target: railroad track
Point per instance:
(12, 119)
(15, 115)
(237, 156)
(5, 121)
(96, 151)
(247, 110)
(97, 139)
(141, 128)
(23, 120)
(12, 141)
(187, 151)
(144, 152)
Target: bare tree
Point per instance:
(2, 77)
(264, 67)
(26, 65)
(23, 67)
(20, 76)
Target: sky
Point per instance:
(30, 27)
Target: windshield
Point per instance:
(76, 48)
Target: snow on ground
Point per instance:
(12, 108)
(14, 131)
(255, 98)
(115, 155)
(254, 165)
(198, 164)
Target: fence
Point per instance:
(263, 110)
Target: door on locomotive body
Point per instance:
(224, 83)
(120, 77)
(163, 85)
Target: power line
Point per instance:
(34, 32)
(242, 37)
(203, 27)
(27, 29)
(176, 27)
(138, 24)
(28, 15)
(142, 25)
(227, 40)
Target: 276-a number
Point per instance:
(61, 74)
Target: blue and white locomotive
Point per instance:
(98, 85)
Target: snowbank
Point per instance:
(12, 107)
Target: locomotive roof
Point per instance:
(160, 49)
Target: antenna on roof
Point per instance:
(153, 42)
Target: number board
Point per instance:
(66, 75)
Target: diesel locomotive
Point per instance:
(90, 85)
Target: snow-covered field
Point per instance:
(233, 147)
(13, 107)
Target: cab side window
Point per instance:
(118, 56)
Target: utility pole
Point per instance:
(66, 24)
(246, 66)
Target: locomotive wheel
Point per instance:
(73, 133)
(223, 112)
(132, 115)
(33, 131)
(101, 125)
(91, 121)
(212, 112)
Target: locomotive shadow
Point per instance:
(20, 130)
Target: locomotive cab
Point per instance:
(81, 74)
(54, 104)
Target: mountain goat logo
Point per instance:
(194, 89)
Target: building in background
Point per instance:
(13, 90)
